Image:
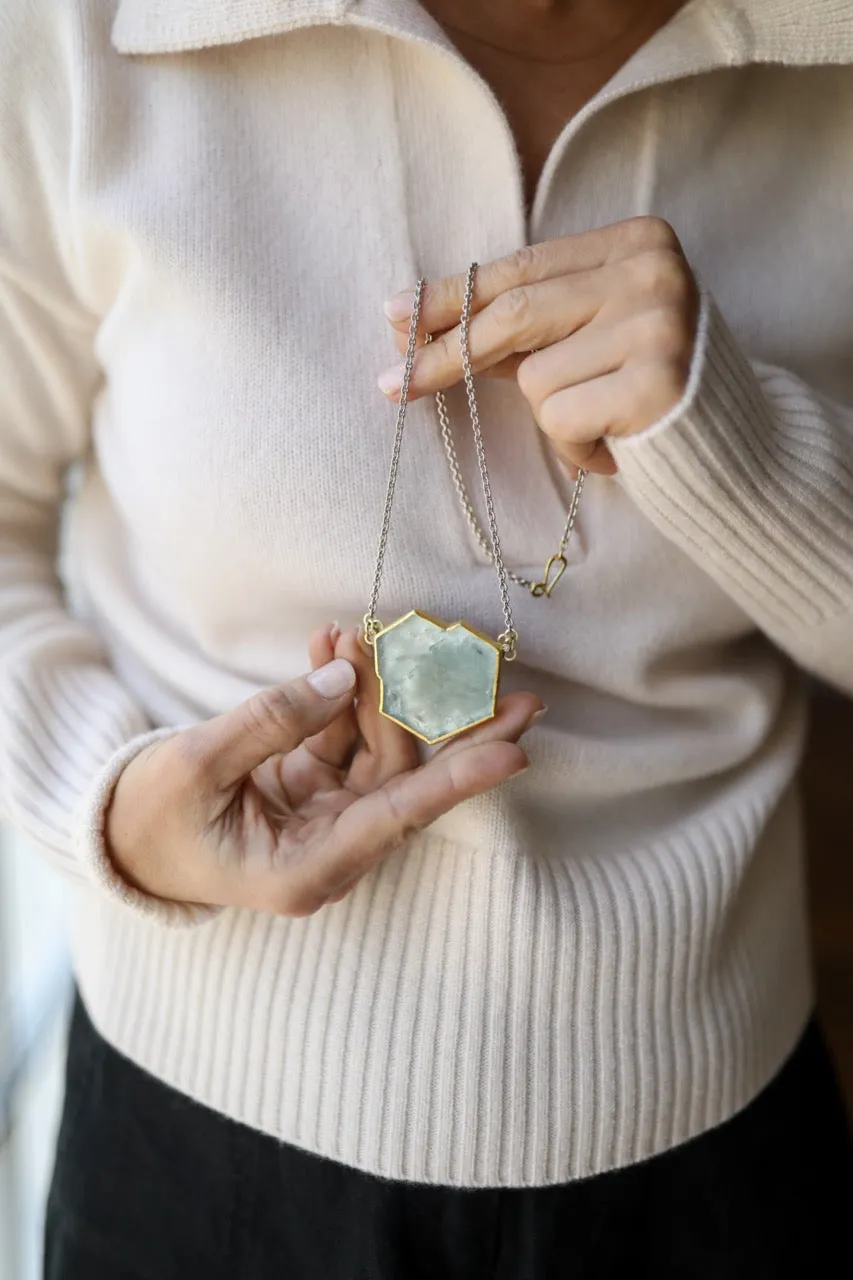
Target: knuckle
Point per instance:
(659, 387)
(504, 272)
(661, 275)
(529, 378)
(514, 305)
(551, 419)
(525, 260)
(672, 380)
(651, 232)
(663, 331)
(271, 709)
(515, 266)
(401, 827)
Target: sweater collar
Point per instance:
(789, 32)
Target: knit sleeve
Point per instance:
(751, 474)
(64, 717)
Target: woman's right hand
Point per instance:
(284, 803)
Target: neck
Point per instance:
(562, 31)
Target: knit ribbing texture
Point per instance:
(203, 208)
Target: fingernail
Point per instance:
(392, 379)
(522, 768)
(333, 680)
(335, 632)
(400, 306)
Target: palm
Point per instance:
(294, 802)
(341, 800)
(302, 794)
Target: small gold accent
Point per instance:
(372, 626)
(547, 585)
(508, 644)
(444, 626)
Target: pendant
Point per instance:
(436, 678)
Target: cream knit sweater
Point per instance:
(203, 205)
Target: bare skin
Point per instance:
(598, 330)
(611, 314)
(545, 59)
(285, 802)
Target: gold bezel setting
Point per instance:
(443, 626)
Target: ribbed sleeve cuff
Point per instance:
(747, 476)
(92, 852)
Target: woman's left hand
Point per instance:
(598, 329)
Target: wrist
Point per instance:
(126, 845)
(116, 871)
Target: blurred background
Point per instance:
(34, 990)
(35, 982)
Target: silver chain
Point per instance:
(508, 639)
(491, 548)
(542, 587)
(372, 625)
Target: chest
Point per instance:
(538, 100)
(543, 80)
(241, 271)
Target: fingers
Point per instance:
(581, 325)
(599, 461)
(334, 744)
(321, 645)
(530, 264)
(621, 403)
(518, 320)
(273, 721)
(589, 354)
(378, 823)
(515, 714)
(387, 749)
(472, 763)
(373, 826)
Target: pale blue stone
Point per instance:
(436, 682)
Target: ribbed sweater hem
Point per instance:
(538, 1033)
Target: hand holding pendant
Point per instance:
(284, 803)
(598, 329)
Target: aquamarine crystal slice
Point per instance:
(437, 679)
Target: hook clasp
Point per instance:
(548, 583)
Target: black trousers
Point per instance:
(151, 1186)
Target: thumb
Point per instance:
(274, 721)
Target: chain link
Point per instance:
(489, 545)
(471, 516)
(508, 639)
(372, 625)
(539, 588)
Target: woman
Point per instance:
(343, 1013)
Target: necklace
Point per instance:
(436, 678)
